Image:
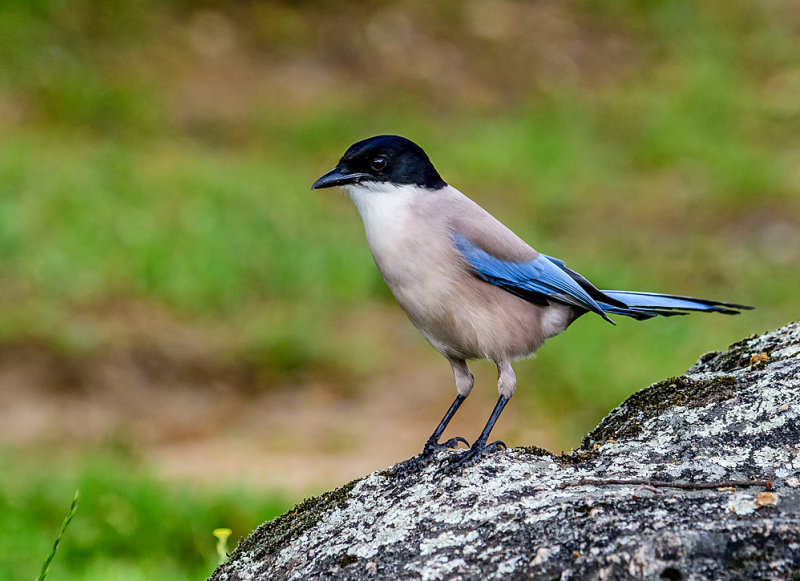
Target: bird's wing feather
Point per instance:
(538, 280)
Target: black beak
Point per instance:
(335, 177)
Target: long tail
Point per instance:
(642, 305)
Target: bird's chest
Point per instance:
(408, 257)
(411, 246)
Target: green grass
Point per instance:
(129, 526)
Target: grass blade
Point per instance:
(72, 509)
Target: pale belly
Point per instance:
(466, 318)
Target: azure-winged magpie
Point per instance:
(471, 286)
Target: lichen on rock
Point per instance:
(525, 513)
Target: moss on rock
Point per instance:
(273, 534)
(626, 421)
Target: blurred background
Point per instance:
(195, 339)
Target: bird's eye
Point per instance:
(379, 163)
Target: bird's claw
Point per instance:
(467, 458)
(453, 443)
(424, 458)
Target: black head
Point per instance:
(384, 158)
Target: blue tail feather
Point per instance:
(645, 305)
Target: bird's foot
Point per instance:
(424, 458)
(458, 462)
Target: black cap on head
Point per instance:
(384, 158)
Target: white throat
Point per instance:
(381, 204)
(377, 199)
(385, 210)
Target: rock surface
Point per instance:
(525, 513)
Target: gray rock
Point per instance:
(525, 513)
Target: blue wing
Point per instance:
(546, 278)
(538, 281)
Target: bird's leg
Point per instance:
(464, 383)
(506, 384)
(480, 447)
(432, 446)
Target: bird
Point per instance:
(471, 286)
